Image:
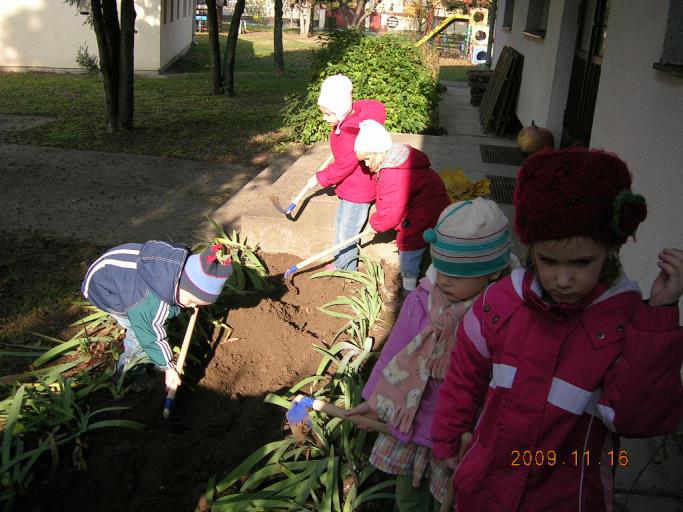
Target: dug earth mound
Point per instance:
(263, 345)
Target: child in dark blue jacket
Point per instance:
(143, 285)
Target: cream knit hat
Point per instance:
(372, 138)
(335, 95)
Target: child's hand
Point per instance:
(172, 378)
(312, 182)
(668, 286)
(362, 409)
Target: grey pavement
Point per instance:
(643, 485)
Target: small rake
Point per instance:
(297, 199)
(170, 397)
(295, 268)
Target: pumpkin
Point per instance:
(534, 138)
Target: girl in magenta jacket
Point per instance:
(409, 198)
(404, 383)
(352, 181)
(565, 356)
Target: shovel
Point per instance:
(286, 211)
(295, 268)
(300, 422)
(170, 396)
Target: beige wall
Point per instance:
(547, 61)
(639, 116)
(47, 34)
(176, 35)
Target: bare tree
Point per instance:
(115, 45)
(364, 8)
(215, 50)
(278, 48)
(230, 49)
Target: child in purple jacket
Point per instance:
(470, 247)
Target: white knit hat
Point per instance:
(471, 238)
(335, 95)
(372, 138)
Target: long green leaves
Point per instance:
(329, 470)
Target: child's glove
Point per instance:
(172, 378)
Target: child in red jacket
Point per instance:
(353, 182)
(410, 194)
(565, 356)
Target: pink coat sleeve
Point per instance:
(345, 159)
(412, 319)
(393, 195)
(642, 393)
(464, 387)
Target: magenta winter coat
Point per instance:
(410, 196)
(557, 384)
(353, 181)
(411, 321)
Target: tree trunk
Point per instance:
(126, 65)
(359, 13)
(278, 48)
(215, 50)
(108, 61)
(231, 47)
(311, 19)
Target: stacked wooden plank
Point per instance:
(478, 79)
(497, 109)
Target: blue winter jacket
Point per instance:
(140, 281)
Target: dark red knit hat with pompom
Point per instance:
(576, 191)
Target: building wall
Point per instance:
(547, 61)
(46, 34)
(639, 116)
(176, 35)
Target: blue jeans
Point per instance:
(351, 218)
(410, 261)
(133, 353)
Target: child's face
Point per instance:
(329, 117)
(372, 160)
(569, 268)
(460, 288)
(187, 300)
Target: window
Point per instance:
(508, 13)
(537, 18)
(184, 8)
(177, 12)
(671, 60)
(164, 8)
(171, 1)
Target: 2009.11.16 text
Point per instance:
(521, 458)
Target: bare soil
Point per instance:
(60, 210)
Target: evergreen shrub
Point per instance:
(387, 68)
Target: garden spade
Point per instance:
(300, 422)
(170, 396)
(295, 268)
(297, 199)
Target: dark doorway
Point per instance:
(585, 75)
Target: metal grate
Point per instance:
(506, 155)
(502, 188)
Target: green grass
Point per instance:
(457, 73)
(175, 114)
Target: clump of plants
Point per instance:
(86, 61)
(329, 469)
(387, 68)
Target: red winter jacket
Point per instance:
(352, 179)
(410, 196)
(557, 384)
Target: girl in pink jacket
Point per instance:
(565, 356)
(352, 181)
(470, 247)
(409, 198)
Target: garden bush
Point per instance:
(388, 68)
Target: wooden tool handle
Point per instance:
(330, 250)
(170, 395)
(338, 412)
(308, 187)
